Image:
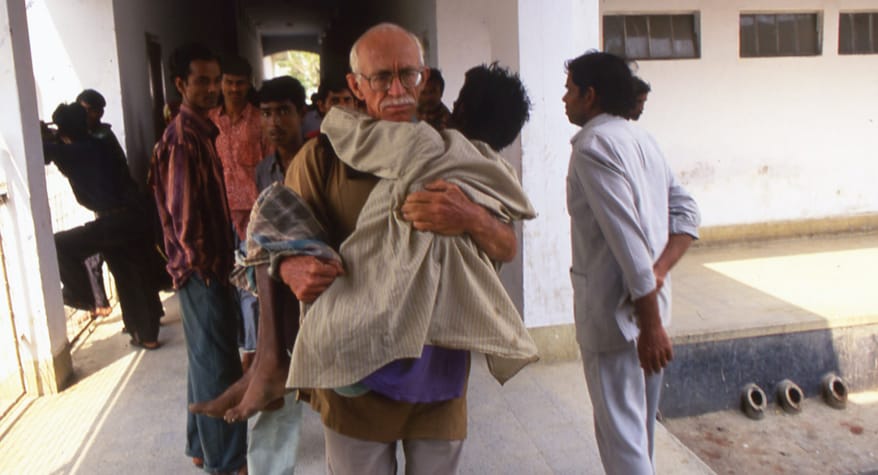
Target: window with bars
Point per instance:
(779, 34)
(858, 33)
(652, 36)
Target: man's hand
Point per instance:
(653, 345)
(660, 276)
(654, 349)
(308, 276)
(444, 209)
(441, 208)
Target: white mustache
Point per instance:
(397, 101)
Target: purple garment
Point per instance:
(438, 375)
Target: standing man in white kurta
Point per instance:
(630, 223)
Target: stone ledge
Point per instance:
(718, 235)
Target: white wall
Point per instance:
(470, 33)
(766, 139)
(173, 23)
(534, 38)
(551, 34)
(24, 220)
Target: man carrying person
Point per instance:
(427, 409)
(187, 180)
(630, 223)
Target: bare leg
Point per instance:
(278, 326)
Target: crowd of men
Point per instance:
(214, 179)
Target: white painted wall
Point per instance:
(174, 23)
(60, 31)
(551, 34)
(766, 139)
(24, 219)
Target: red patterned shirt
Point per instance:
(241, 148)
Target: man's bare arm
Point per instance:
(653, 345)
(444, 209)
(677, 245)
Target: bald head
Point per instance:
(387, 64)
(383, 31)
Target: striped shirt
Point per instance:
(187, 180)
(416, 287)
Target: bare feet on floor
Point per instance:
(227, 400)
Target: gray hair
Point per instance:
(354, 56)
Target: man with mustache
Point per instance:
(420, 401)
(187, 181)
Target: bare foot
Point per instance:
(265, 393)
(278, 326)
(228, 399)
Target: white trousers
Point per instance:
(625, 402)
(348, 456)
(274, 439)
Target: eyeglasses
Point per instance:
(381, 82)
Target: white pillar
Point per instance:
(25, 219)
(550, 33)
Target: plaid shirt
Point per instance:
(187, 180)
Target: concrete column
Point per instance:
(29, 247)
(550, 34)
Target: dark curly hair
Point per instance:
(492, 106)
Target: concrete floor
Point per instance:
(125, 413)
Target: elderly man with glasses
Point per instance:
(420, 401)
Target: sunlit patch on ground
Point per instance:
(829, 284)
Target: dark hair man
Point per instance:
(630, 223)
(281, 106)
(121, 232)
(641, 91)
(239, 143)
(492, 106)
(333, 91)
(428, 412)
(240, 147)
(94, 104)
(430, 106)
(187, 180)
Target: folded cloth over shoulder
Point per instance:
(403, 288)
(281, 224)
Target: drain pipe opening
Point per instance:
(790, 396)
(753, 401)
(835, 391)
